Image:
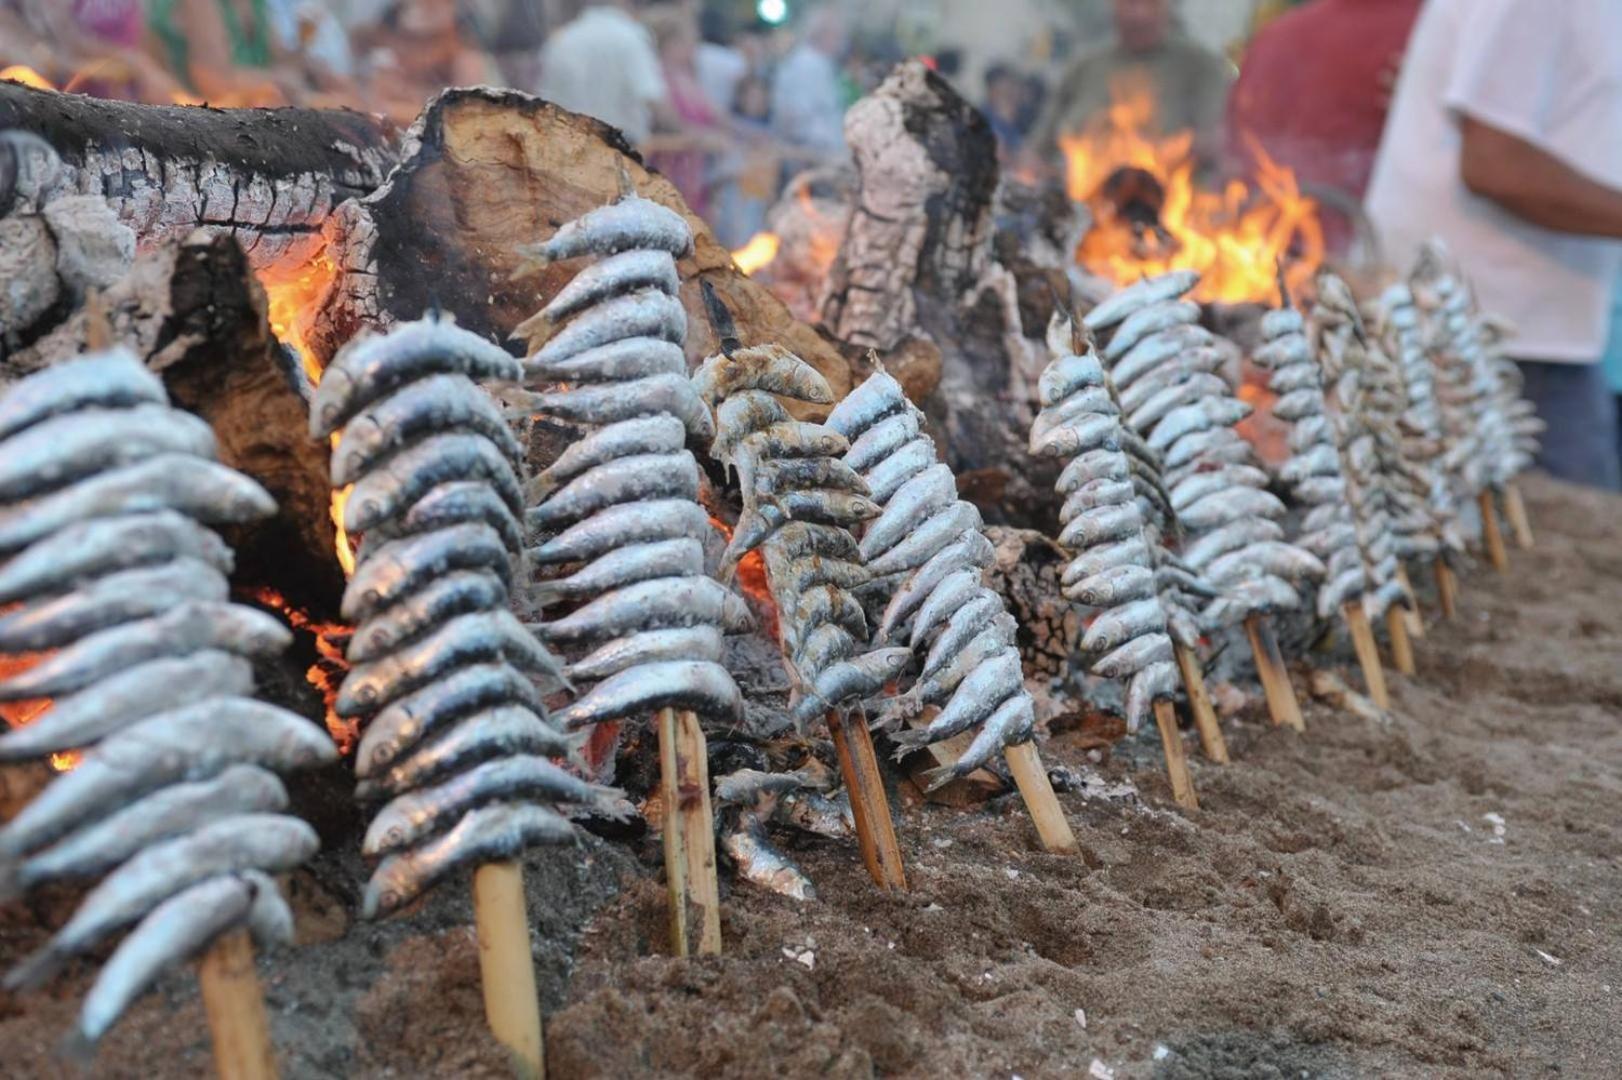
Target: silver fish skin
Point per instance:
(191, 742)
(785, 474)
(646, 647)
(168, 812)
(1147, 321)
(1225, 507)
(747, 846)
(368, 368)
(791, 439)
(112, 600)
(644, 313)
(980, 692)
(443, 506)
(1292, 406)
(431, 406)
(405, 723)
(408, 820)
(798, 538)
(479, 637)
(1094, 495)
(1203, 415)
(1227, 538)
(1157, 682)
(67, 447)
(891, 474)
(680, 557)
(1117, 626)
(171, 933)
(619, 526)
(1131, 551)
(1167, 346)
(1101, 525)
(491, 833)
(397, 569)
(491, 734)
(91, 548)
(1117, 585)
(1010, 723)
(183, 629)
(1126, 302)
(608, 403)
(971, 550)
(826, 604)
(701, 686)
(928, 538)
(1320, 460)
(390, 490)
(630, 479)
(656, 434)
(1204, 447)
(107, 380)
(1077, 436)
(1133, 656)
(271, 842)
(825, 506)
(1308, 432)
(844, 680)
(878, 398)
(617, 361)
(1295, 377)
(625, 272)
(882, 440)
(1067, 375)
(1201, 484)
(961, 628)
(270, 920)
(1106, 463)
(196, 488)
(1161, 403)
(744, 413)
(985, 646)
(631, 223)
(1342, 589)
(1259, 591)
(797, 574)
(657, 604)
(952, 592)
(123, 698)
(767, 367)
(1095, 400)
(748, 787)
(930, 491)
(461, 592)
(821, 647)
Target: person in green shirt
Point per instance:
(1188, 82)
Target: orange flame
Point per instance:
(1235, 238)
(22, 73)
(327, 673)
(22, 713)
(757, 253)
(752, 580)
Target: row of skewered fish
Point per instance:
(927, 554)
(447, 681)
(621, 505)
(108, 565)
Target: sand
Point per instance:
(1434, 894)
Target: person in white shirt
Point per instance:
(808, 107)
(603, 63)
(1505, 139)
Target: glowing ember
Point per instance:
(22, 73)
(21, 713)
(1236, 238)
(757, 253)
(752, 580)
(327, 673)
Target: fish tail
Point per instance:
(542, 594)
(77, 1049)
(908, 741)
(935, 779)
(34, 971)
(538, 487)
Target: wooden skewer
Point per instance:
(675, 851)
(236, 1010)
(1182, 784)
(1199, 701)
(698, 831)
(1368, 656)
(1282, 705)
(875, 829)
(1032, 780)
(1411, 614)
(506, 966)
(1402, 650)
(1447, 589)
(1490, 533)
(1515, 511)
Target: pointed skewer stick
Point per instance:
(1447, 588)
(1368, 655)
(1515, 511)
(1402, 650)
(1282, 705)
(875, 829)
(1490, 533)
(698, 832)
(1199, 702)
(506, 966)
(235, 1006)
(1182, 784)
(675, 853)
(1411, 615)
(1031, 777)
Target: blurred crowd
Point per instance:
(1496, 123)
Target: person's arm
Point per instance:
(1535, 185)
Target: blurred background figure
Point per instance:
(808, 103)
(1187, 82)
(512, 32)
(1313, 91)
(1504, 140)
(603, 63)
(694, 128)
(746, 179)
(418, 45)
(1007, 94)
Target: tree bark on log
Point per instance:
(270, 177)
(484, 171)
